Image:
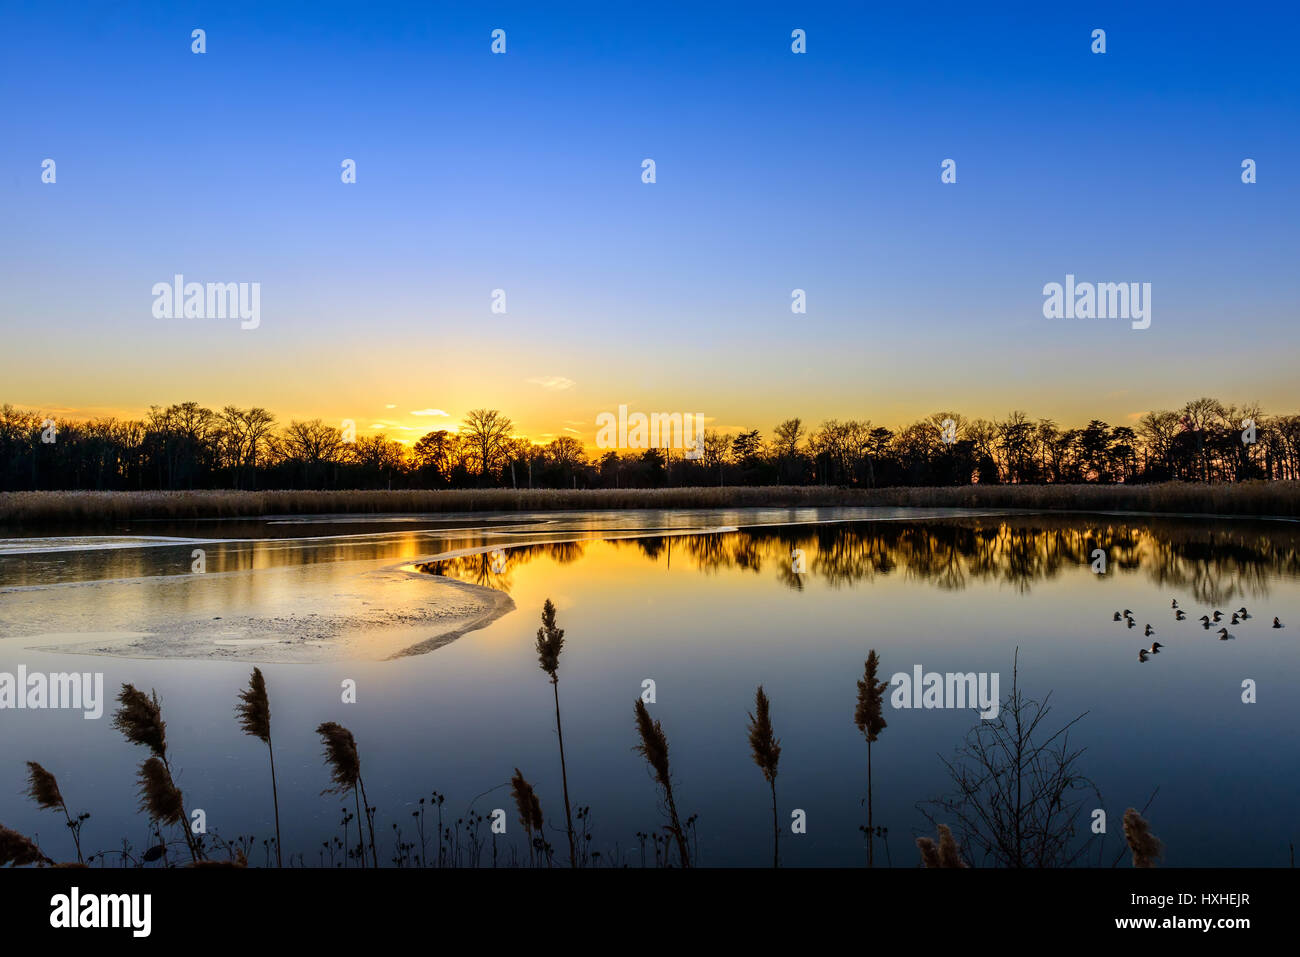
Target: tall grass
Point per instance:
(345, 771)
(254, 714)
(43, 788)
(550, 641)
(766, 749)
(1257, 498)
(139, 718)
(870, 720)
(654, 748)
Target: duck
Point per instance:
(1277, 624)
(1224, 636)
(1142, 654)
(1117, 617)
(1127, 613)
(1174, 603)
(1178, 615)
(1155, 647)
(1218, 616)
(1131, 622)
(1205, 619)
(1235, 619)
(1149, 632)
(1243, 613)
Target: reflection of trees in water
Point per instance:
(485, 569)
(1213, 563)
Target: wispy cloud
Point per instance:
(574, 431)
(428, 412)
(553, 383)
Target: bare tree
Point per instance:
(1019, 793)
(486, 433)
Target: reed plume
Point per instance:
(550, 641)
(345, 770)
(19, 851)
(159, 796)
(870, 721)
(943, 854)
(139, 718)
(43, 788)
(530, 808)
(767, 754)
(1146, 847)
(254, 714)
(654, 748)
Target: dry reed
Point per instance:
(1146, 847)
(767, 754)
(254, 714)
(654, 748)
(1258, 498)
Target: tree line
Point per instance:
(189, 446)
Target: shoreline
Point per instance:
(1256, 499)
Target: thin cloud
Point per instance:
(553, 383)
(428, 412)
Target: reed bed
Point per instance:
(1256, 498)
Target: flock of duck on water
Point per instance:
(1238, 617)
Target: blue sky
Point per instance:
(775, 171)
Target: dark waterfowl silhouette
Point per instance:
(1224, 636)
(1149, 631)
(1243, 613)
(1178, 615)
(1277, 624)
(1174, 603)
(1117, 617)
(1218, 615)
(1142, 654)
(1155, 647)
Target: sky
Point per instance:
(522, 172)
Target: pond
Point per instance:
(433, 621)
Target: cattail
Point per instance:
(254, 714)
(43, 788)
(654, 747)
(550, 640)
(767, 753)
(159, 797)
(140, 719)
(17, 850)
(943, 854)
(870, 721)
(254, 709)
(1146, 846)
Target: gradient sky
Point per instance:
(522, 172)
